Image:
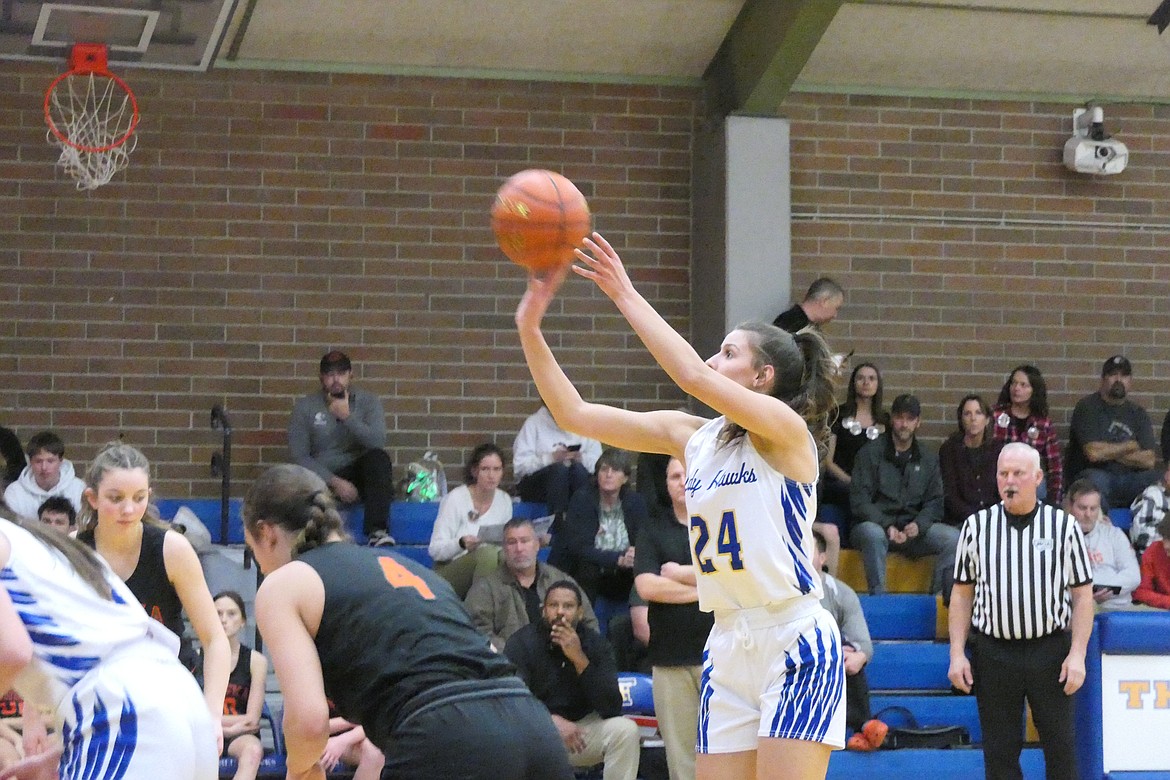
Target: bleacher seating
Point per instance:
(1122, 517)
(410, 521)
(903, 575)
(909, 670)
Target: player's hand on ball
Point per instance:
(603, 265)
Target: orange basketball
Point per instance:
(539, 217)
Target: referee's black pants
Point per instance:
(1006, 671)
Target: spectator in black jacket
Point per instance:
(595, 542)
(967, 460)
(571, 669)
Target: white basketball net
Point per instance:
(95, 113)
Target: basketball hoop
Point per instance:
(91, 114)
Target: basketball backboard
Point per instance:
(164, 34)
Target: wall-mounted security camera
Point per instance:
(1091, 149)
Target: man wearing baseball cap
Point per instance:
(897, 500)
(339, 434)
(1111, 438)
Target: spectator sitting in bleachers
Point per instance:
(47, 474)
(1115, 568)
(842, 603)
(1021, 414)
(860, 420)
(244, 700)
(511, 596)
(1148, 510)
(1154, 589)
(551, 464)
(339, 433)
(58, 513)
(1111, 438)
(595, 542)
(349, 745)
(897, 499)
(571, 669)
(460, 556)
(967, 462)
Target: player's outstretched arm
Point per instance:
(776, 428)
(660, 431)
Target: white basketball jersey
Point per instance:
(751, 527)
(73, 629)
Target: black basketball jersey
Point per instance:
(391, 630)
(152, 588)
(239, 688)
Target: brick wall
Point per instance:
(968, 248)
(268, 217)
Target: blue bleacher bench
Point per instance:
(410, 521)
(909, 666)
(1122, 517)
(955, 764)
(900, 616)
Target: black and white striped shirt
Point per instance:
(1022, 575)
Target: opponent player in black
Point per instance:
(390, 644)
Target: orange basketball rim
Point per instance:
(92, 115)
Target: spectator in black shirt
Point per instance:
(665, 577)
(571, 669)
(968, 460)
(819, 307)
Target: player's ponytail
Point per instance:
(806, 375)
(816, 401)
(297, 500)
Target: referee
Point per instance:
(1023, 582)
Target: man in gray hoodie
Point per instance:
(47, 474)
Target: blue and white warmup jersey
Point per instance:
(751, 527)
(109, 673)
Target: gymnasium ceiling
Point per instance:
(750, 53)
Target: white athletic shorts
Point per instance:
(772, 672)
(137, 716)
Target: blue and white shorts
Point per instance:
(137, 716)
(772, 672)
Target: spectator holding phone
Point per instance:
(339, 434)
(1115, 567)
(550, 463)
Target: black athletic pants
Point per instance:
(372, 475)
(1008, 671)
(554, 485)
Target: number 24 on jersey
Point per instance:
(726, 542)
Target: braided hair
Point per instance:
(295, 499)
